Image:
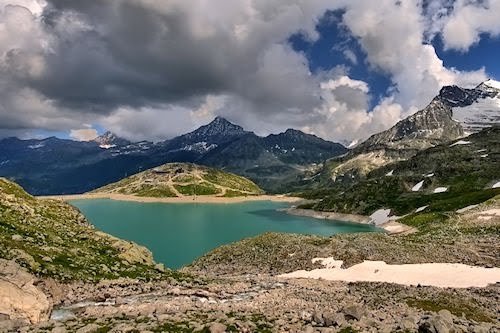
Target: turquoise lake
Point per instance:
(181, 232)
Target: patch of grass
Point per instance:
(234, 194)
(198, 189)
(156, 192)
(458, 307)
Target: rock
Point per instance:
(334, 319)
(19, 298)
(17, 238)
(90, 328)
(160, 267)
(317, 318)
(47, 259)
(12, 325)
(354, 311)
(440, 323)
(4, 317)
(446, 316)
(59, 329)
(217, 328)
(408, 324)
(306, 316)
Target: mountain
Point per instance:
(454, 113)
(457, 173)
(110, 140)
(183, 179)
(56, 166)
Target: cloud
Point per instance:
(468, 20)
(150, 69)
(83, 134)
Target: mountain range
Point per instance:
(58, 166)
(453, 114)
(277, 163)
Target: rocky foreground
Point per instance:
(56, 284)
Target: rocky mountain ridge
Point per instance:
(453, 114)
(44, 166)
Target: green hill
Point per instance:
(183, 179)
(53, 239)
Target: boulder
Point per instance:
(440, 323)
(217, 328)
(354, 311)
(19, 298)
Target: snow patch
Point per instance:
(461, 142)
(107, 146)
(429, 175)
(496, 185)
(417, 187)
(381, 216)
(463, 210)
(328, 262)
(444, 275)
(485, 155)
(390, 173)
(37, 146)
(420, 209)
(440, 189)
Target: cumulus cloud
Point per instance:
(150, 69)
(468, 20)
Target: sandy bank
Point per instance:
(390, 227)
(185, 199)
(444, 275)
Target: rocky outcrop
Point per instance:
(20, 299)
(129, 251)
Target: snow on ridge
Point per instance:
(440, 189)
(492, 83)
(479, 115)
(390, 173)
(37, 146)
(107, 146)
(418, 186)
(496, 185)
(461, 142)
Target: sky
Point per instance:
(154, 69)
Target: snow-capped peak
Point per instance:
(492, 83)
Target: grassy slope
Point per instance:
(52, 239)
(463, 169)
(183, 178)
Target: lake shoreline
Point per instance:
(185, 199)
(391, 227)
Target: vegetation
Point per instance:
(179, 179)
(51, 238)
